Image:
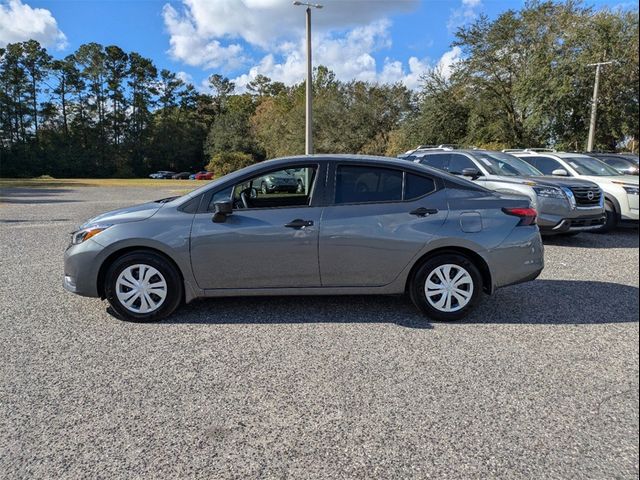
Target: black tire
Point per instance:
(612, 218)
(175, 288)
(417, 290)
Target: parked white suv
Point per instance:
(621, 191)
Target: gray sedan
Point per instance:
(364, 225)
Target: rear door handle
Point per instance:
(423, 212)
(299, 223)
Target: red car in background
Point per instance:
(204, 175)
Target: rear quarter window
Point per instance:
(417, 186)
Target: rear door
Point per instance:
(378, 219)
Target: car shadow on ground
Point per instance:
(34, 195)
(555, 302)
(624, 237)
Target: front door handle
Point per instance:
(299, 223)
(423, 212)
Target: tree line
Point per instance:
(523, 80)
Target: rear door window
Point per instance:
(360, 184)
(545, 164)
(364, 184)
(436, 160)
(458, 162)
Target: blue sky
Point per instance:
(393, 40)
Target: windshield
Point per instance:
(498, 163)
(590, 166)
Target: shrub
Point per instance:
(227, 162)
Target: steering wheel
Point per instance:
(246, 194)
(244, 199)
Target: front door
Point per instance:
(269, 241)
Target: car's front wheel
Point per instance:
(446, 287)
(143, 287)
(611, 220)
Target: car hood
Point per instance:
(616, 179)
(562, 181)
(128, 214)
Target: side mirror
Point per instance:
(221, 211)
(471, 172)
(560, 172)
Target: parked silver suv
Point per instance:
(565, 206)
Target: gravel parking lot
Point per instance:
(542, 381)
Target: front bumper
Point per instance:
(81, 267)
(580, 224)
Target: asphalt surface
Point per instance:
(540, 382)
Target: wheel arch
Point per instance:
(478, 261)
(113, 256)
(614, 201)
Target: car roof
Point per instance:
(550, 154)
(301, 159)
(347, 158)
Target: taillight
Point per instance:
(527, 215)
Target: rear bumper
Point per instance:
(520, 258)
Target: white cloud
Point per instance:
(195, 49)
(19, 22)
(467, 12)
(448, 60)
(349, 56)
(211, 33)
(346, 36)
(292, 69)
(185, 77)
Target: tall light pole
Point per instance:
(308, 131)
(594, 104)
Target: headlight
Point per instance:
(86, 233)
(631, 190)
(550, 192)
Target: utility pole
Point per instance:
(308, 133)
(594, 104)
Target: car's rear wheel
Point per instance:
(143, 287)
(446, 287)
(612, 218)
